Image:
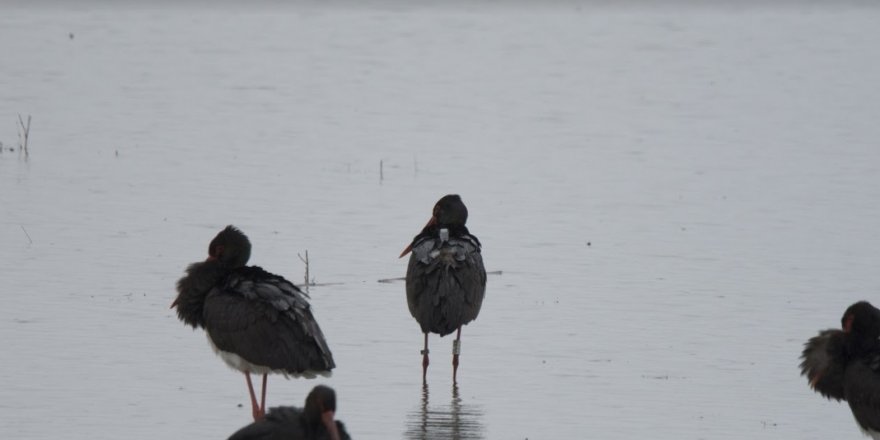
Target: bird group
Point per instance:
(260, 323)
(844, 364)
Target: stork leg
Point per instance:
(257, 412)
(263, 397)
(456, 350)
(425, 359)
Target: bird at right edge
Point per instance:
(445, 278)
(844, 364)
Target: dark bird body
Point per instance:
(845, 365)
(445, 278)
(257, 322)
(315, 421)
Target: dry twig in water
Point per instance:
(391, 280)
(27, 235)
(306, 261)
(23, 134)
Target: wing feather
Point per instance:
(824, 363)
(445, 282)
(266, 320)
(862, 388)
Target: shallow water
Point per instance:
(677, 198)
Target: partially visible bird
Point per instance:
(845, 364)
(315, 421)
(445, 278)
(256, 322)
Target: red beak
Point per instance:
(815, 380)
(431, 222)
(327, 417)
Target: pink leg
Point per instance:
(254, 408)
(456, 349)
(425, 360)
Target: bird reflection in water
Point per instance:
(455, 421)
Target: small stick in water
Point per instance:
(306, 261)
(26, 234)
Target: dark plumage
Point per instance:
(845, 364)
(257, 322)
(315, 421)
(445, 278)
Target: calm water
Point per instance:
(678, 198)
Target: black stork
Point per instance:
(445, 278)
(845, 364)
(256, 322)
(314, 421)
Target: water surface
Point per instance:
(677, 197)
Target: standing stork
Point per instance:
(257, 322)
(845, 364)
(445, 278)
